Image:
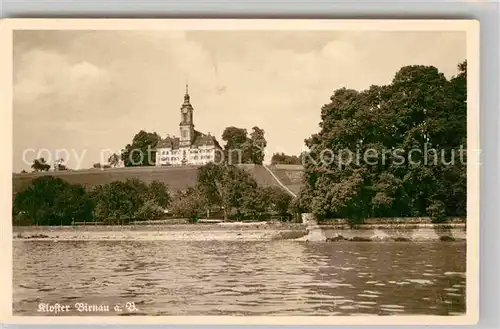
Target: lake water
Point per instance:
(240, 277)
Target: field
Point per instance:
(177, 178)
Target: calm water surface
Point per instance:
(242, 278)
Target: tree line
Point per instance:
(221, 189)
(240, 147)
(41, 164)
(419, 110)
(282, 158)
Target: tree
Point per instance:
(159, 193)
(40, 165)
(257, 144)
(142, 150)
(114, 202)
(236, 148)
(224, 186)
(240, 148)
(130, 199)
(59, 165)
(282, 158)
(420, 110)
(279, 200)
(114, 160)
(238, 184)
(189, 204)
(52, 201)
(255, 202)
(149, 210)
(211, 180)
(120, 200)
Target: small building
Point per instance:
(192, 147)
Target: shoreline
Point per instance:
(238, 231)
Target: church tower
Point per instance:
(186, 126)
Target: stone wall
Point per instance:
(434, 233)
(385, 229)
(393, 220)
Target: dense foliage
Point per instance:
(141, 152)
(130, 199)
(52, 201)
(114, 160)
(222, 190)
(282, 158)
(59, 165)
(393, 150)
(190, 204)
(40, 165)
(233, 190)
(241, 148)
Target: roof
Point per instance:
(200, 139)
(169, 142)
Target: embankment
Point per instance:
(247, 232)
(178, 232)
(401, 233)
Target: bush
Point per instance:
(354, 221)
(159, 193)
(130, 199)
(149, 210)
(52, 201)
(188, 205)
(436, 211)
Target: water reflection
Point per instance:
(242, 278)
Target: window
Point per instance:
(184, 117)
(184, 133)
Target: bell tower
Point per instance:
(186, 126)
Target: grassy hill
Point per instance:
(289, 175)
(177, 178)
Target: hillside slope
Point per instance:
(177, 178)
(289, 175)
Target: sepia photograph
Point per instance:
(269, 169)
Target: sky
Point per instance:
(87, 93)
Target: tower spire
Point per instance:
(186, 96)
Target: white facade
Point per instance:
(186, 155)
(192, 147)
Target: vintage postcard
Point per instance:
(240, 171)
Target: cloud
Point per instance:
(42, 73)
(91, 89)
(85, 71)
